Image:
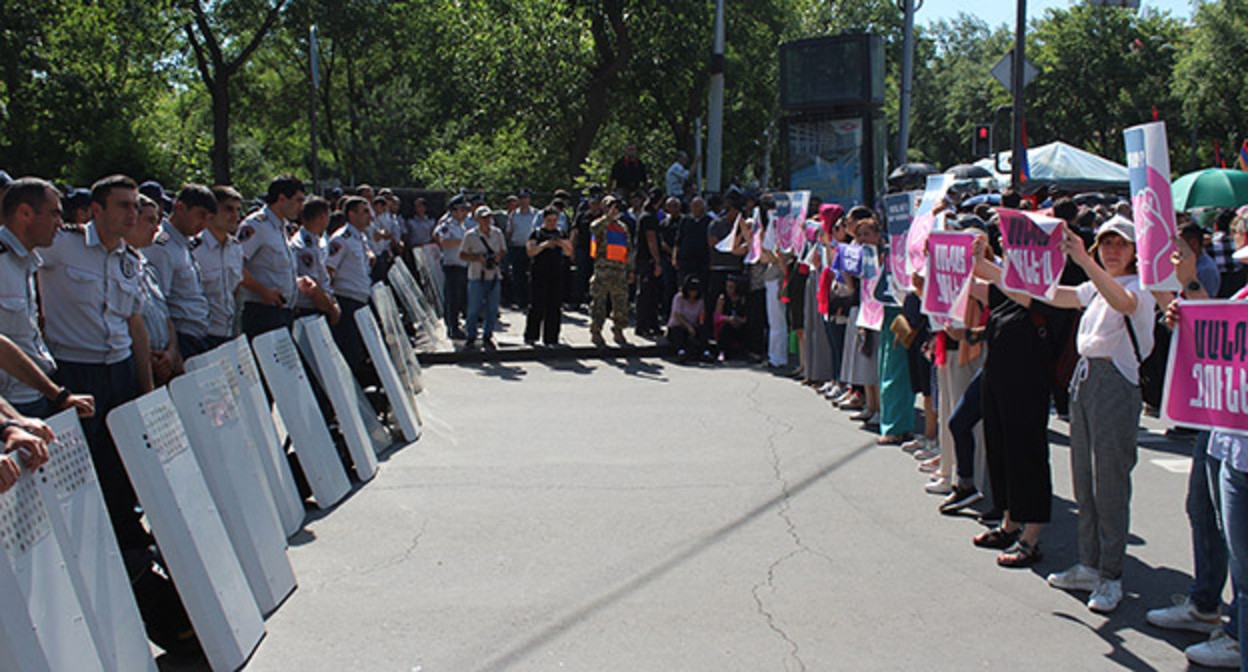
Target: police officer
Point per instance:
(162, 335)
(220, 259)
(611, 250)
(309, 247)
(349, 262)
(91, 288)
(269, 275)
(449, 236)
(176, 271)
(32, 215)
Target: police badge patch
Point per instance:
(245, 231)
(129, 266)
(306, 259)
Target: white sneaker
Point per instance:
(1220, 650)
(940, 486)
(914, 444)
(927, 452)
(1079, 577)
(1183, 615)
(1106, 596)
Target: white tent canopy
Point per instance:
(1065, 167)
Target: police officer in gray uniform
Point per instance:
(32, 215)
(176, 271)
(91, 287)
(349, 263)
(269, 276)
(220, 259)
(310, 249)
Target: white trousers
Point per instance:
(777, 330)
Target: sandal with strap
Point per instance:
(1021, 554)
(997, 537)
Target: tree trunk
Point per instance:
(221, 130)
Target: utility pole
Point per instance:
(313, 85)
(1020, 59)
(907, 82)
(715, 125)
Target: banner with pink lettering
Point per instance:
(789, 218)
(1033, 255)
(1152, 204)
(950, 261)
(899, 212)
(870, 309)
(1207, 373)
(924, 222)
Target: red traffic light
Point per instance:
(982, 132)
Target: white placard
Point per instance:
(275, 351)
(318, 346)
(41, 585)
(402, 404)
(183, 516)
(230, 462)
(79, 518)
(248, 389)
(401, 353)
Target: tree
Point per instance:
(208, 37)
(1211, 74)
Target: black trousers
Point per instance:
(518, 275)
(455, 296)
(1015, 396)
(259, 318)
(545, 303)
(347, 336)
(189, 346)
(680, 339)
(649, 289)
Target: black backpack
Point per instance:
(1153, 367)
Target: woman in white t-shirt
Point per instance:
(1105, 404)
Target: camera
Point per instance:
(490, 263)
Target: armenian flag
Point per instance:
(1242, 163)
(617, 243)
(1218, 160)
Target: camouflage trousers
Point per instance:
(610, 283)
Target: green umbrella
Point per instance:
(1211, 188)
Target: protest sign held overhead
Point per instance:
(1033, 255)
(950, 262)
(1148, 167)
(924, 222)
(899, 211)
(789, 218)
(871, 310)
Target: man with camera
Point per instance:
(483, 248)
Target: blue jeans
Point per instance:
(1209, 555)
(1234, 488)
(482, 303)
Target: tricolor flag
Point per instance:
(1218, 160)
(1242, 163)
(1025, 169)
(617, 243)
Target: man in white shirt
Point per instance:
(678, 176)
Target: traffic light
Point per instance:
(981, 142)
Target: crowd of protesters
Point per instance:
(105, 292)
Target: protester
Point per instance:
(687, 327)
(731, 321)
(520, 225)
(692, 255)
(678, 176)
(649, 269)
(628, 173)
(582, 243)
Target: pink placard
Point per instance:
(870, 309)
(1148, 168)
(950, 261)
(1033, 255)
(1207, 372)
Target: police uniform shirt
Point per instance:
(521, 225)
(19, 314)
(179, 277)
(221, 268)
(91, 293)
(449, 229)
(310, 252)
(418, 231)
(266, 255)
(348, 263)
(155, 310)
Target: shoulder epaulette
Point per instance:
(195, 242)
(74, 228)
(161, 238)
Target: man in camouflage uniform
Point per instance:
(611, 249)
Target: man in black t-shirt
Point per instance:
(628, 174)
(547, 249)
(580, 246)
(692, 254)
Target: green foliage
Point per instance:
(1211, 76)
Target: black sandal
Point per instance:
(997, 537)
(1021, 554)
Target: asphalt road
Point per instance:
(638, 515)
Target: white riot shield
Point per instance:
(230, 462)
(184, 518)
(318, 346)
(38, 598)
(421, 316)
(257, 416)
(432, 290)
(401, 353)
(401, 403)
(75, 505)
(301, 417)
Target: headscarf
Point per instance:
(829, 215)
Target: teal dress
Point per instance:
(896, 396)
